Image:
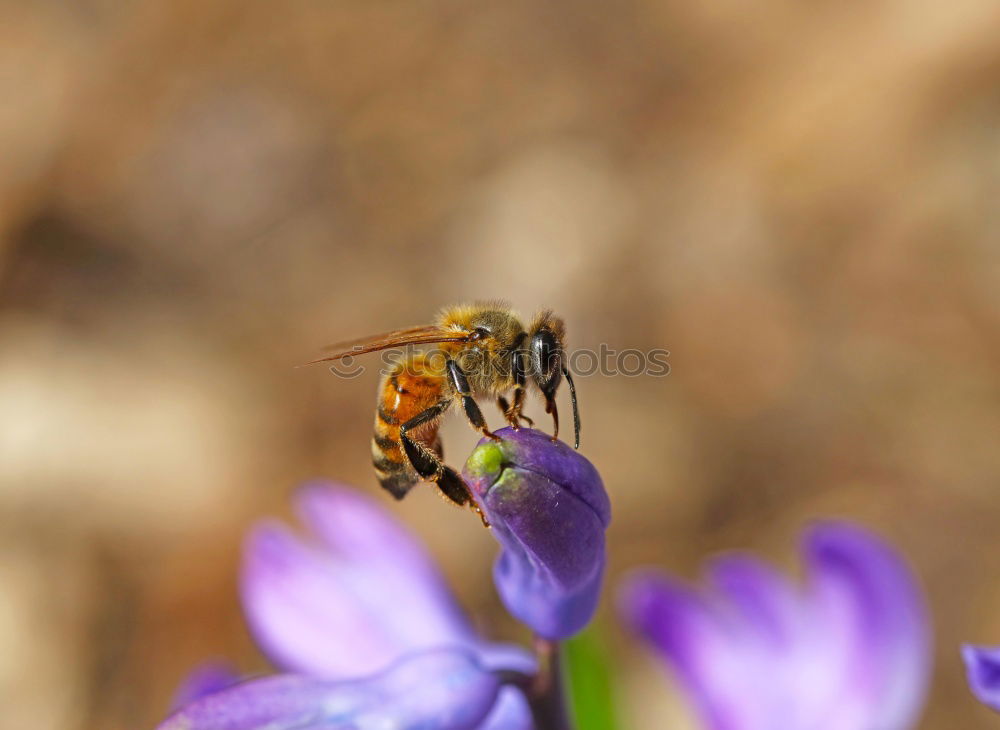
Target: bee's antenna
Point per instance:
(576, 411)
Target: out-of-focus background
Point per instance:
(798, 200)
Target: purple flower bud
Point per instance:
(851, 649)
(443, 689)
(982, 667)
(549, 511)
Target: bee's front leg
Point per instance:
(460, 385)
(550, 407)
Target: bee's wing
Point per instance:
(425, 335)
(345, 345)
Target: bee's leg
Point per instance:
(460, 384)
(514, 416)
(550, 407)
(513, 419)
(519, 370)
(428, 464)
(424, 460)
(438, 447)
(576, 408)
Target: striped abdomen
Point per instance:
(410, 388)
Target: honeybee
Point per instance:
(483, 350)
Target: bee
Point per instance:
(483, 351)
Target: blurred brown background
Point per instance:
(797, 199)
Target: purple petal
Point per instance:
(382, 561)
(753, 652)
(763, 600)
(874, 618)
(443, 689)
(683, 628)
(329, 606)
(511, 712)
(204, 680)
(549, 511)
(356, 528)
(982, 667)
(302, 614)
(497, 657)
(781, 684)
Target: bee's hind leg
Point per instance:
(429, 465)
(454, 488)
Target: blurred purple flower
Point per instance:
(209, 678)
(446, 689)
(982, 667)
(549, 511)
(850, 651)
(356, 594)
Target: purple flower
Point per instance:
(361, 617)
(209, 678)
(443, 689)
(982, 667)
(848, 651)
(356, 594)
(549, 511)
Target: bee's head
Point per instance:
(547, 353)
(547, 350)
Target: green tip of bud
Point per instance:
(487, 459)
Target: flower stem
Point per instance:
(547, 695)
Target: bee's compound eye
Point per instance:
(479, 333)
(545, 354)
